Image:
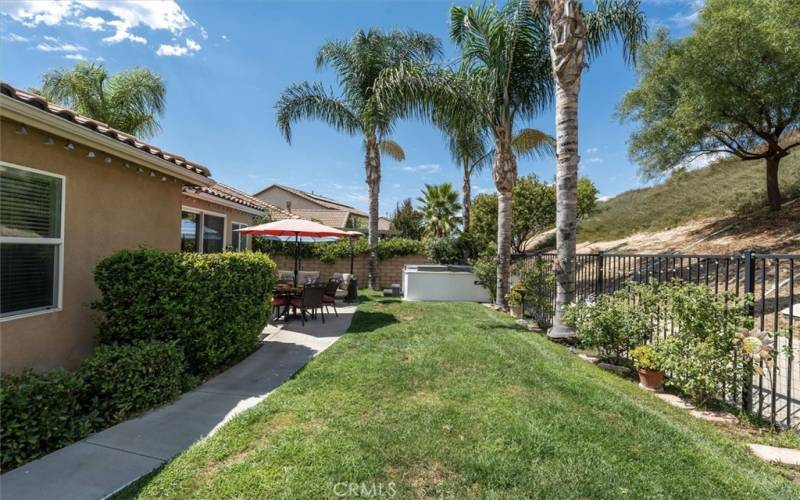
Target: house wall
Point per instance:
(107, 208)
(390, 270)
(279, 197)
(231, 215)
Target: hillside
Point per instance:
(723, 200)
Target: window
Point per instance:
(31, 240)
(202, 231)
(238, 240)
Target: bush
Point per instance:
(447, 250)
(40, 413)
(613, 324)
(213, 305)
(329, 252)
(537, 281)
(121, 380)
(485, 270)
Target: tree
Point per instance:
(731, 87)
(407, 220)
(130, 101)
(358, 111)
(439, 208)
(534, 210)
(505, 77)
(573, 32)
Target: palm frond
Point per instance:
(136, 97)
(310, 100)
(533, 144)
(618, 20)
(391, 149)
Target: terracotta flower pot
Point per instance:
(516, 311)
(650, 379)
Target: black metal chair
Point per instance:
(329, 297)
(309, 300)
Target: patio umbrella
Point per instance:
(288, 229)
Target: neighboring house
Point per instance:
(320, 208)
(73, 191)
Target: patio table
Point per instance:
(289, 292)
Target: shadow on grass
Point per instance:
(366, 321)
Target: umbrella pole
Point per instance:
(296, 255)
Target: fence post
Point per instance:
(749, 288)
(599, 272)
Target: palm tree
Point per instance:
(439, 207)
(358, 63)
(573, 32)
(130, 101)
(505, 76)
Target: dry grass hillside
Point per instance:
(717, 209)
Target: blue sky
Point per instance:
(226, 62)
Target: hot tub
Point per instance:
(440, 282)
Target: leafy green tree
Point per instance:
(534, 210)
(573, 33)
(359, 111)
(731, 87)
(439, 208)
(505, 77)
(407, 220)
(131, 100)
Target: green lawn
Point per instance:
(455, 400)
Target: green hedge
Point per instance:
(42, 412)
(328, 252)
(213, 305)
(122, 380)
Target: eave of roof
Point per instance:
(36, 111)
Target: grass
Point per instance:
(455, 400)
(726, 186)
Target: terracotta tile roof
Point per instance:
(232, 194)
(333, 218)
(99, 127)
(323, 201)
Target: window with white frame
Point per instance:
(31, 240)
(238, 240)
(202, 231)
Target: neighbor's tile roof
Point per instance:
(232, 194)
(319, 199)
(333, 218)
(99, 127)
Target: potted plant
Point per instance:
(515, 298)
(646, 363)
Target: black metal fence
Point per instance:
(773, 280)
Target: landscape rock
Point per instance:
(716, 417)
(675, 401)
(784, 456)
(622, 370)
(589, 358)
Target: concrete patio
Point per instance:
(107, 461)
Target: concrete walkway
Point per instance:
(107, 461)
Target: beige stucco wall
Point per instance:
(279, 197)
(107, 208)
(231, 215)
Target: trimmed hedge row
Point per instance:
(42, 412)
(328, 252)
(213, 305)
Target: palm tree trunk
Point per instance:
(372, 162)
(773, 187)
(567, 34)
(466, 203)
(504, 172)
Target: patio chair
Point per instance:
(278, 302)
(329, 297)
(309, 300)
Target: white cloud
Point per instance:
(178, 50)
(594, 159)
(75, 57)
(97, 15)
(59, 47)
(51, 39)
(13, 37)
(225, 37)
(684, 19)
(592, 150)
(426, 168)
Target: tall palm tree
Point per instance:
(573, 33)
(130, 101)
(439, 208)
(358, 62)
(505, 77)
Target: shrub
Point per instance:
(40, 413)
(121, 380)
(213, 305)
(485, 270)
(537, 281)
(329, 252)
(702, 344)
(446, 250)
(613, 324)
(645, 357)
